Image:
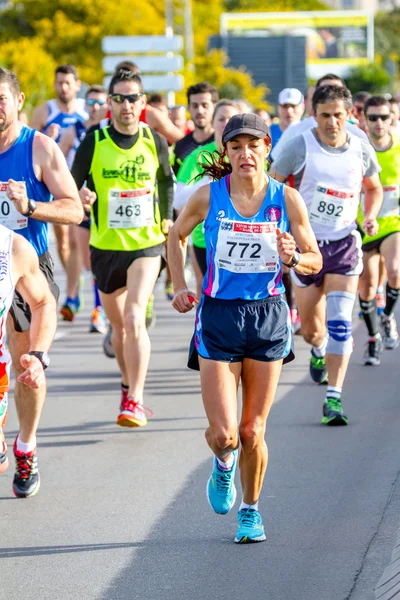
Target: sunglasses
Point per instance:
(375, 118)
(93, 101)
(120, 98)
(358, 109)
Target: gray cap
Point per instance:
(248, 124)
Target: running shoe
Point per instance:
(221, 490)
(68, 310)
(380, 302)
(150, 314)
(124, 398)
(333, 413)
(390, 337)
(107, 344)
(133, 413)
(318, 370)
(98, 322)
(169, 290)
(3, 445)
(373, 352)
(250, 527)
(26, 479)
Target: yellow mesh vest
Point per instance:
(124, 174)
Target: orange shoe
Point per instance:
(3, 445)
(133, 413)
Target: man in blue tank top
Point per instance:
(36, 188)
(55, 116)
(242, 328)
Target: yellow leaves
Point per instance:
(34, 68)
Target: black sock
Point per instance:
(392, 295)
(368, 309)
(124, 387)
(287, 282)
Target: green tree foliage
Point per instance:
(369, 78)
(36, 35)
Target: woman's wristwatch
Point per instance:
(295, 261)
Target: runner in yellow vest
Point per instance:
(387, 241)
(130, 193)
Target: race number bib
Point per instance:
(129, 209)
(247, 247)
(390, 205)
(333, 208)
(9, 216)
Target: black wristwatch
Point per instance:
(31, 208)
(295, 261)
(42, 356)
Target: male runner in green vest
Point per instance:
(387, 241)
(126, 167)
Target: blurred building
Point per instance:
(372, 5)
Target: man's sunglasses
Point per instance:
(120, 98)
(93, 101)
(375, 118)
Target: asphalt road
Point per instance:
(122, 514)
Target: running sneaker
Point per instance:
(390, 337)
(380, 302)
(26, 479)
(318, 370)
(169, 290)
(107, 344)
(98, 322)
(150, 314)
(333, 413)
(3, 445)
(124, 397)
(373, 352)
(221, 490)
(133, 413)
(250, 527)
(68, 310)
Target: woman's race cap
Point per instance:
(248, 124)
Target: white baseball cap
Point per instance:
(290, 96)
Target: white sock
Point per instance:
(253, 506)
(227, 465)
(25, 448)
(333, 392)
(320, 351)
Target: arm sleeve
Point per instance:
(292, 160)
(165, 178)
(83, 161)
(370, 161)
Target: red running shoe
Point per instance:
(133, 414)
(26, 479)
(3, 445)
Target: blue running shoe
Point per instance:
(221, 491)
(250, 527)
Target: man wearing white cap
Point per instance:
(290, 110)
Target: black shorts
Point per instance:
(110, 267)
(20, 311)
(232, 330)
(201, 257)
(376, 244)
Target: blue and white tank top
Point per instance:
(65, 120)
(17, 163)
(242, 257)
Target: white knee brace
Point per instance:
(339, 320)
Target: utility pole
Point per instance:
(169, 32)
(189, 43)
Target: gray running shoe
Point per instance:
(390, 335)
(373, 351)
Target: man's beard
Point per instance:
(5, 124)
